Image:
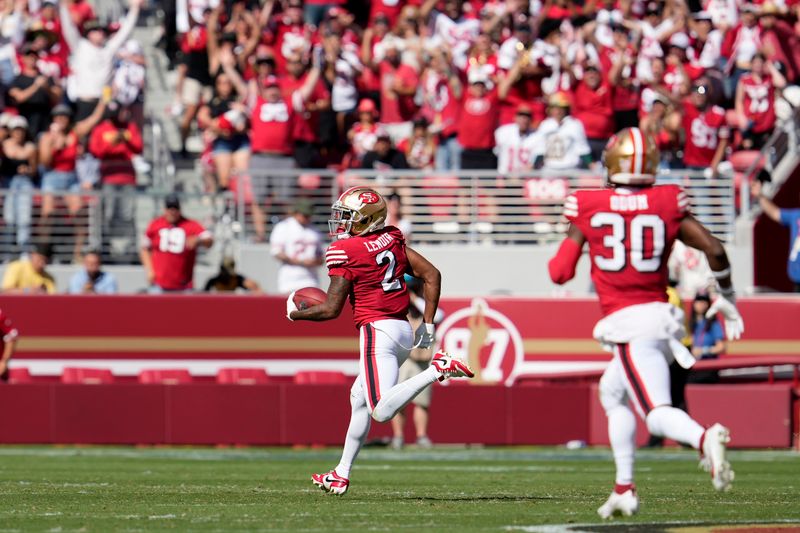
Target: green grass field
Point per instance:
(516, 489)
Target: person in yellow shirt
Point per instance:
(29, 275)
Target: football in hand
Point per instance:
(309, 297)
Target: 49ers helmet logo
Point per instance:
(368, 197)
(485, 338)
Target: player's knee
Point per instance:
(609, 399)
(654, 420)
(381, 413)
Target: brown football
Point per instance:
(309, 297)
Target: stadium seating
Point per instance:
(19, 375)
(242, 376)
(308, 377)
(165, 376)
(86, 376)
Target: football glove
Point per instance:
(424, 336)
(734, 325)
(290, 306)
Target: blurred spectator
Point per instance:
(514, 143)
(169, 249)
(115, 142)
(384, 156)
(755, 101)
(451, 28)
(419, 147)
(364, 132)
(17, 170)
(708, 338)
(29, 275)
(441, 92)
(92, 279)
(32, 93)
(9, 343)
(314, 11)
(298, 246)
(127, 85)
(705, 128)
(479, 117)
(92, 56)
(560, 142)
(662, 123)
(193, 84)
(340, 68)
(785, 217)
(394, 216)
(59, 149)
(398, 86)
(593, 108)
(739, 46)
(228, 280)
(779, 41)
(12, 32)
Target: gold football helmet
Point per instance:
(359, 210)
(631, 157)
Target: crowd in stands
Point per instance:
(480, 84)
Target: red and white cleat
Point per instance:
(714, 448)
(331, 482)
(450, 367)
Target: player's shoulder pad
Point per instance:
(336, 255)
(574, 202)
(682, 200)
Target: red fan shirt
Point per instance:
(479, 118)
(375, 264)
(272, 127)
(173, 260)
(593, 108)
(630, 235)
(396, 108)
(759, 102)
(703, 130)
(306, 123)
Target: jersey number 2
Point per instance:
(638, 231)
(389, 283)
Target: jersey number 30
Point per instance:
(639, 228)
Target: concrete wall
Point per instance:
(467, 270)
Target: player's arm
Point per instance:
(332, 308)
(8, 351)
(562, 266)
(421, 268)
(694, 234)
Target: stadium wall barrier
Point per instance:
(289, 414)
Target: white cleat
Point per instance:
(450, 367)
(714, 449)
(626, 504)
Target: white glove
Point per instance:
(290, 306)
(734, 325)
(424, 336)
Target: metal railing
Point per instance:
(470, 208)
(477, 207)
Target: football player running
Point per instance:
(631, 226)
(367, 263)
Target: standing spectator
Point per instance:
(560, 142)
(92, 56)
(399, 83)
(127, 86)
(59, 149)
(169, 249)
(384, 156)
(340, 68)
(194, 81)
(30, 275)
(12, 32)
(394, 216)
(514, 143)
(739, 46)
(420, 147)
(228, 280)
(705, 128)
(785, 217)
(18, 168)
(9, 343)
(114, 143)
(755, 102)
(480, 112)
(593, 108)
(441, 92)
(92, 279)
(364, 133)
(708, 339)
(298, 247)
(33, 94)
(451, 27)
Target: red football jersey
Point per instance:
(630, 235)
(703, 129)
(759, 102)
(173, 262)
(272, 127)
(375, 264)
(479, 119)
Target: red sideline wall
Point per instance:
(509, 337)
